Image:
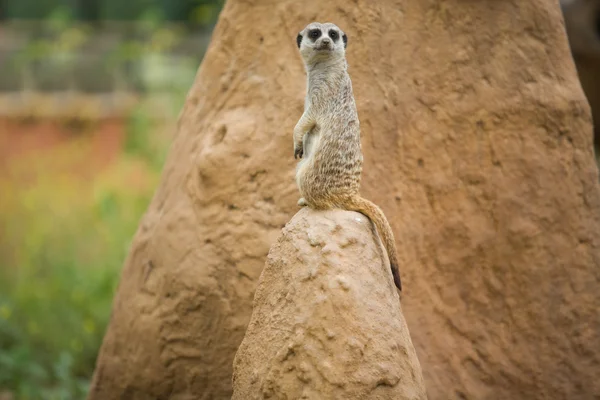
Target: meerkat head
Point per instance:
(319, 42)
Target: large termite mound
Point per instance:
(477, 141)
(327, 321)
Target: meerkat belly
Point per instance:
(332, 171)
(309, 143)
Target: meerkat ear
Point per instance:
(299, 39)
(345, 39)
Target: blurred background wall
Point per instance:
(89, 92)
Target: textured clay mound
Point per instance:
(477, 142)
(327, 321)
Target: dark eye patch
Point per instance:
(334, 35)
(314, 34)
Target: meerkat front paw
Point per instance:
(298, 151)
(302, 202)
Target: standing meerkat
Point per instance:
(327, 136)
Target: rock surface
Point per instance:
(478, 147)
(327, 321)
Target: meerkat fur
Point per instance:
(327, 136)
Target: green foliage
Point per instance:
(35, 9)
(198, 12)
(140, 143)
(63, 242)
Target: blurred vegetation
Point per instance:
(62, 245)
(195, 13)
(62, 53)
(63, 236)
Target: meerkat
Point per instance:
(327, 136)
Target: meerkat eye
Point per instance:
(333, 35)
(314, 33)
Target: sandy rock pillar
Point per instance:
(327, 321)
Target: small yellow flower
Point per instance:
(5, 312)
(89, 326)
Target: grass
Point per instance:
(63, 240)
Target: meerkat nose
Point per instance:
(325, 41)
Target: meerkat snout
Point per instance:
(325, 42)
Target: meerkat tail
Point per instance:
(375, 214)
